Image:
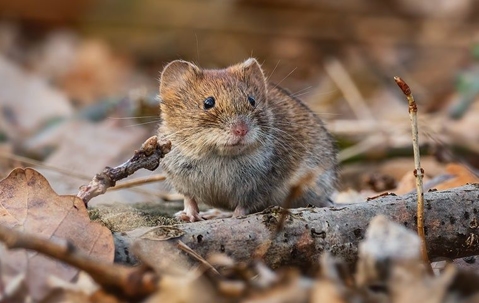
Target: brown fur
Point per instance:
(286, 141)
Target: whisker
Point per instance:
(132, 117)
(301, 91)
(287, 76)
(138, 124)
(270, 75)
(286, 134)
(334, 90)
(299, 95)
(197, 48)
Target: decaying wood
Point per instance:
(147, 157)
(451, 226)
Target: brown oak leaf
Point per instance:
(28, 204)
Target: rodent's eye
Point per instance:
(252, 101)
(209, 103)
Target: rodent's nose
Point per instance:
(240, 129)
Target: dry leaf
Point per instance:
(28, 203)
(188, 288)
(290, 288)
(408, 183)
(462, 176)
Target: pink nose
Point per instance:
(240, 129)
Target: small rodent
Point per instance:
(240, 143)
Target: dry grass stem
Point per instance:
(351, 93)
(358, 149)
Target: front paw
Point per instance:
(239, 211)
(188, 217)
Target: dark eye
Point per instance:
(252, 101)
(209, 103)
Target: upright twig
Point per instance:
(418, 171)
(294, 193)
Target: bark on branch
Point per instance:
(451, 226)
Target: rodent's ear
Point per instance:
(252, 72)
(177, 74)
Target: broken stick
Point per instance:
(147, 157)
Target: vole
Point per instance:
(240, 143)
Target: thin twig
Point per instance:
(418, 171)
(197, 257)
(139, 181)
(294, 193)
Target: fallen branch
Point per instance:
(147, 157)
(451, 229)
(389, 268)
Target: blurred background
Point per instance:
(79, 80)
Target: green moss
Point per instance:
(119, 218)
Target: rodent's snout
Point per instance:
(239, 128)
